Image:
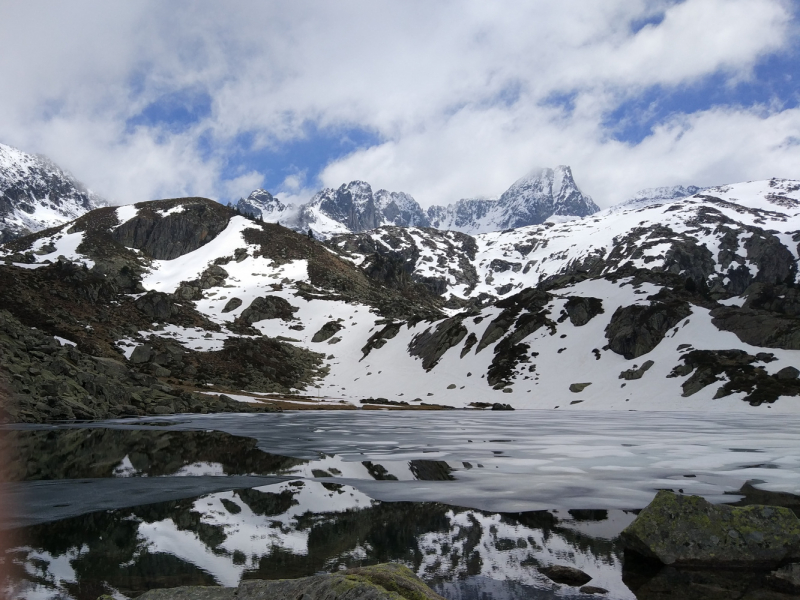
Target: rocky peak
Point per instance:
(260, 203)
(36, 194)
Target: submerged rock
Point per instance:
(690, 531)
(379, 582)
(566, 575)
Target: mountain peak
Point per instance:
(36, 194)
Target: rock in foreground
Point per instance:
(379, 582)
(689, 531)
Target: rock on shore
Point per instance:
(379, 582)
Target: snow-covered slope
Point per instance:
(531, 200)
(36, 194)
(688, 303)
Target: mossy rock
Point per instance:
(379, 582)
(690, 531)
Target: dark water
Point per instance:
(126, 507)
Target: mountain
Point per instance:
(184, 305)
(354, 207)
(36, 194)
(531, 200)
(662, 194)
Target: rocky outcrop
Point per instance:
(380, 337)
(580, 310)
(636, 372)
(50, 381)
(327, 331)
(431, 344)
(740, 373)
(390, 581)
(165, 235)
(759, 327)
(689, 531)
(636, 329)
(267, 307)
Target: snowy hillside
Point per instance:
(36, 194)
(688, 303)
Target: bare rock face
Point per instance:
(430, 345)
(691, 532)
(379, 582)
(636, 330)
(164, 235)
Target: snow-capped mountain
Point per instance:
(262, 205)
(354, 207)
(36, 194)
(689, 303)
(531, 200)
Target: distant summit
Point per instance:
(531, 200)
(36, 194)
(354, 207)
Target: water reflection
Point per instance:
(297, 528)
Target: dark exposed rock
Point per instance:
(267, 307)
(635, 330)
(578, 387)
(501, 406)
(232, 305)
(158, 306)
(327, 331)
(689, 531)
(380, 337)
(737, 366)
(532, 301)
(471, 340)
(167, 237)
(581, 310)
(759, 327)
(566, 575)
(786, 579)
(636, 373)
(430, 345)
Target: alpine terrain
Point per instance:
(36, 194)
(354, 207)
(669, 301)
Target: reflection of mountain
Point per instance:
(297, 528)
(79, 453)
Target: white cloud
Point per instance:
(457, 91)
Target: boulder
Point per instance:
(378, 582)
(232, 304)
(690, 531)
(267, 307)
(786, 579)
(327, 331)
(566, 575)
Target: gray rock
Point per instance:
(190, 593)
(379, 582)
(636, 330)
(327, 331)
(267, 307)
(566, 575)
(689, 531)
(431, 344)
(578, 387)
(232, 304)
(786, 579)
(631, 374)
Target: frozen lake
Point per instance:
(473, 501)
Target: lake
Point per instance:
(472, 501)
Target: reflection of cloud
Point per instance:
(151, 100)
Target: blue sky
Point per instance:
(442, 100)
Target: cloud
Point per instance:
(152, 99)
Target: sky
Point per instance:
(444, 100)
